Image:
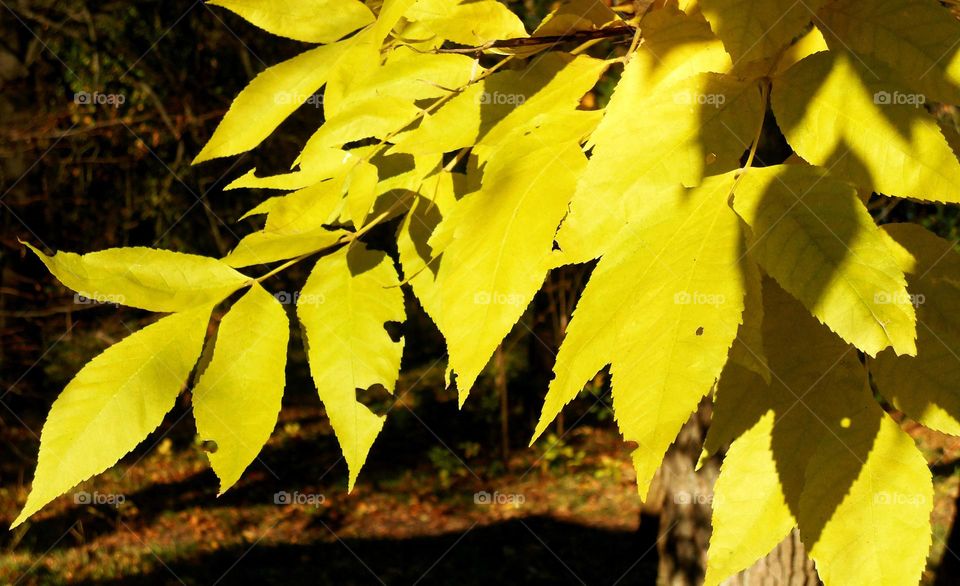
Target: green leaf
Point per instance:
(349, 297)
(311, 21)
(268, 100)
(758, 29)
(237, 399)
(662, 308)
(148, 278)
(812, 234)
(915, 38)
(863, 125)
(501, 237)
(113, 403)
(927, 387)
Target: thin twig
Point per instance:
(604, 33)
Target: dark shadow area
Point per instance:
(535, 550)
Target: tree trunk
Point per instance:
(683, 500)
(786, 565)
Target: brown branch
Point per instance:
(578, 36)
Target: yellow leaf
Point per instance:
(114, 403)
(577, 15)
(372, 117)
(506, 102)
(757, 29)
(265, 246)
(863, 125)
(926, 387)
(267, 101)
(148, 278)
(864, 514)
(323, 164)
(361, 191)
(501, 237)
(812, 234)
(698, 126)
(467, 22)
(747, 349)
(662, 308)
(915, 38)
(813, 446)
(406, 74)
(237, 399)
(311, 21)
(347, 300)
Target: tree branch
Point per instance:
(580, 36)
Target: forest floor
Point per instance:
(562, 512)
